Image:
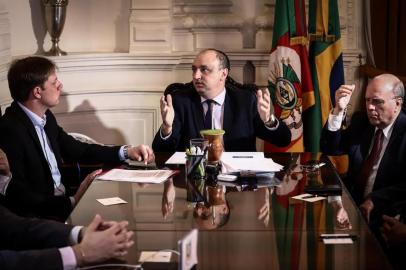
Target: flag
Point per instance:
(289, 78)
(326, 62)
(290, 215)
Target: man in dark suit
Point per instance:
(36, 146)
(376, 144)
(29, 243)
(42, 244)
(209, 104)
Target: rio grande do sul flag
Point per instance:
(289, 78)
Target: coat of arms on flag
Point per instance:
(284, 85)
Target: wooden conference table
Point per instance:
(287, 236)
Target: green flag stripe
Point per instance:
(285, 20)
(312, 16)
(291, 17)
(281, 25)
(318, 47)
(333, 19)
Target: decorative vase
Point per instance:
(55, 15)
(216, 148)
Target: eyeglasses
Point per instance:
(377, 101)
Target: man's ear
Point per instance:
(399, 103)
(224, 73)
(36, 92)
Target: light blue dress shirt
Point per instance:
(39, 124)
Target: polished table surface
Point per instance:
(285, 236)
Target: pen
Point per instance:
(337, 236)
(243, 157)
(308, 196)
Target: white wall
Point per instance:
(113, 95)
(91, 26)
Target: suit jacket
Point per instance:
(390, 182)
(241, 122)
(31, 243)
(31, 189)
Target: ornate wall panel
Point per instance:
(4, 50)
(114, 97)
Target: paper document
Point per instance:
(111, 201)
(177, 158)
(228, 155)
(137, 176)
(308, 197)
(155, 256)
(248, 161)
(337, 241)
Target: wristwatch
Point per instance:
(272, 122)
(125, 151)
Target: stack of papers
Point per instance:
(137, 176)
(337, 238)
(237, 162)
(248, 161)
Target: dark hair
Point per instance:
(223, 217)
(221, 56)
(26, 74)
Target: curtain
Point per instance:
(388, 29)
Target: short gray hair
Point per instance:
(399, 90)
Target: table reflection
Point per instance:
(259, 222)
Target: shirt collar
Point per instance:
(219, 99)
(35, 119)
(388, 130)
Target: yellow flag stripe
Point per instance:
(308, 100)
(324, 64)
(322, 17)
(297, 146)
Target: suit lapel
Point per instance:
(52, 137)
(197, 110)
(228, 113)
(25, 120)
(399, 128)
(366, 143)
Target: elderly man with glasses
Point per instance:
(375, 142)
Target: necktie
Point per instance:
(370, 161)
(208, 117)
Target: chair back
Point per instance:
(230, 84)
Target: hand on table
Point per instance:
(141, 153)
(103, 240)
